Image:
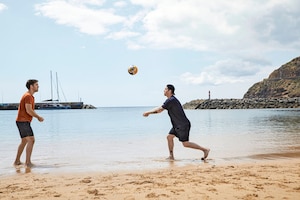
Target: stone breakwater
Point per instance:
(255, 103)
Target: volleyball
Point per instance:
(132, 70)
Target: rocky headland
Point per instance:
(280, 90)
(254, 103)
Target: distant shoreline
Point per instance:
(253, 103)
(49, 105)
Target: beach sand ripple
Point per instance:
(276, 179)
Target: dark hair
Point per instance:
(171, 87)
(30, 82)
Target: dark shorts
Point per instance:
(181, 132)
(24, 129)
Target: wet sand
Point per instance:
(263, 179)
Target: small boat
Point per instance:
(52, 106)
(57, 104)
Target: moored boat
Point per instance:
(50, 104)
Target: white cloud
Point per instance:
(279, 26)
(191, 24)
(88, 20)
(221, 25)
(122, 35)
(90, 2)
(2, 7)
(225, 71)
(147, 3)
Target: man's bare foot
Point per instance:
(29, 165)
(17, 163)
(170, 158)
(206, 152)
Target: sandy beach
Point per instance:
(265, 179)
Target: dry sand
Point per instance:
(270, 179)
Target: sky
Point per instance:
(197, 45)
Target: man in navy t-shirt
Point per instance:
(180, 123)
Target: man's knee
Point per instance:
(30, 139)
(186, 144)
(170, 136)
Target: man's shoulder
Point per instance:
(173, 98)
(172, 101)
(27, 96)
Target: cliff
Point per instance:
(280, 90)
(284, 82)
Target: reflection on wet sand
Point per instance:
(295, 153)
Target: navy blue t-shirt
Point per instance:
(176, 112)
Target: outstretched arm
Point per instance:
(153, 111)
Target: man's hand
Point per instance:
(41, 119)
(145, 114)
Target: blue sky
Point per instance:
(197, 45)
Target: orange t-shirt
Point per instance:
(23, 116)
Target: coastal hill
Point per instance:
(284, 82)
(280, 90)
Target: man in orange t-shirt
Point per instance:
(24, 118)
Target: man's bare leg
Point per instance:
(196, 146)
(170, 138)
(20, 151)
(30, 143)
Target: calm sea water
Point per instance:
(120, 138)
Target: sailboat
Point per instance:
(51, 104)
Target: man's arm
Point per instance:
(153, 111)
(31, 112)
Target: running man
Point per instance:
(180, 123)
(24, 118)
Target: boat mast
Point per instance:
(57, 87)
(51, 85)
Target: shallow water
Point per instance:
(120, 138)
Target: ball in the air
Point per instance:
(132, 69)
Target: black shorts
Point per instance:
(24, 129)
(181, 132)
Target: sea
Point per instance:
(109, 139)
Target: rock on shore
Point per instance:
(88, 106)
(255, 103)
